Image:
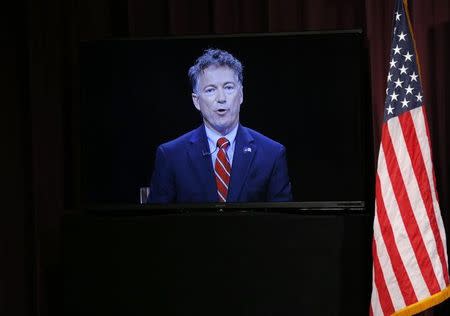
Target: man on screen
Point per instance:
(220, 161)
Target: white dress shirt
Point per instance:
(213, 137)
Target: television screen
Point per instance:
(305, 91)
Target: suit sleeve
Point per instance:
(279, 186)
(162, 186)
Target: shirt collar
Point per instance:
(213, 136)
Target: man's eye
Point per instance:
(209, 90)
(229, 88)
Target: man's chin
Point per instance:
(222, 129)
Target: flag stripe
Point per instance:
(387, 233)
(400, 136)
(427, 133)
(433, 241)
(420, 123)
(400, 241)
(387, 267)
(382, 290)
(405, 207)
(375, 307)
(435, 192)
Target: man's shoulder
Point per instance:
(261, 139)
(182, 140)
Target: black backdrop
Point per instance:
(307, 91)
(139, 262)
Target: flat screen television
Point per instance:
(307, 91)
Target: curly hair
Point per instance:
(214, 57)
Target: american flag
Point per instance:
(409, 244)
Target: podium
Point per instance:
(230, 259)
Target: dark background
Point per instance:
(217, 263)
(307, 91)
(40, 103)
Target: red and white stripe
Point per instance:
(222, 170)
(409, 245)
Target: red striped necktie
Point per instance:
(222, 169)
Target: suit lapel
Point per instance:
(201, 164)
(244, 152)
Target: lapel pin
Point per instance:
(247, 150)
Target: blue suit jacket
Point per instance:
(184, 172)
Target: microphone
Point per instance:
(207, 153)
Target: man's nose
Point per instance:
(221, 97)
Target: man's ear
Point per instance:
(242, 94)
(195, 101)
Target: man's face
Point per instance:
(219, 97)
